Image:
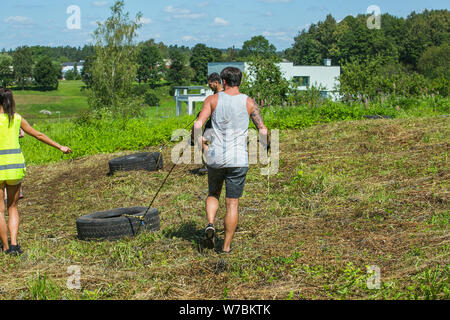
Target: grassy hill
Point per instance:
(69, 100)
(348, 195)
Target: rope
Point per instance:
(142, 218)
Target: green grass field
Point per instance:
(69, 100)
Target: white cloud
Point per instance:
(181, 13)
(144, 20)
(174, 10)
(220, 22)
(273, 34)
(280, 35)
(18, 20)
(100, 3)
(190, 16)
(189, 38)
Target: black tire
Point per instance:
(376, 116)
(112, 225)
(141, 161)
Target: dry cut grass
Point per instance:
(348, 195)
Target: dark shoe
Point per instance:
(210, 233)
(227, 252)
(203, 170)
(1, 247)
(14, 250)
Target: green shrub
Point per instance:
(99, 133)
(140, 90)
(151, 99)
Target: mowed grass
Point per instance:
(348, 195)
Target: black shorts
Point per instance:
(234, 181)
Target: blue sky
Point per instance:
(220, 24)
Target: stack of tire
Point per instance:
(124, 222)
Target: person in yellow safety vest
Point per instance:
(12, 167)
(21, 135)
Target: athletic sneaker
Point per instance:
(210, 232)
(14, 250)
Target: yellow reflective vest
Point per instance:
(12, 162)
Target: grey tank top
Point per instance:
(228, 136)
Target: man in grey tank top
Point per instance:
(227, 155)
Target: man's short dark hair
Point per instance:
(214, 77)
(232, 75)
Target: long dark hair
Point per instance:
(8, 103)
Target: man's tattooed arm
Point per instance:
(258, 121)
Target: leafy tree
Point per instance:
(375, 76)
(306, 50)
(72, 75)
(69, 75)
(427, 29)
(179, 73)
(46, 73)
(265, 83)
(380, 60)
(23, 65)
(201, 55)
(75, 71)
(6, 71)
(86, 72)
(258, 46)
(151, 99)
(435, 62)
(151, 65)
(115, 65)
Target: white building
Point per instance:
(71, 65)
(325, 77)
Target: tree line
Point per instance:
(406, 55)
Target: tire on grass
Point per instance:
(140, 161)
(376, 116)
(112, 225)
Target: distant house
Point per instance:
(325, 77)
(66, 66)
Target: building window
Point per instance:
(302, 81)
